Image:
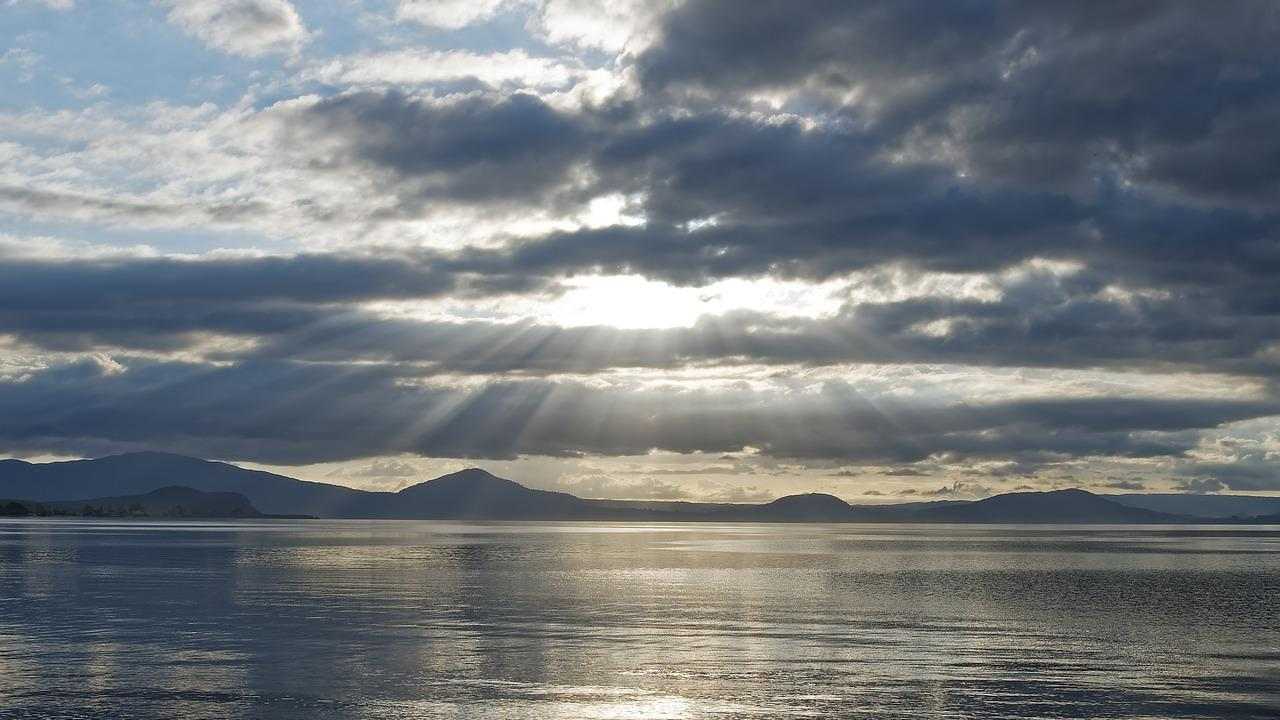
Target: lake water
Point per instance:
(352, 619)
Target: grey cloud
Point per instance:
(1252, 472)
(1042, 320)
(161, 303)
(1202, 485)
(814, 203)
(241, 27)
(301, 308)
(788, 199)
(308, 412)
(1120, 484)
(84, 206)
(1168, 93)
(960, 489)
(38, 285)
(903, 472)
(475, 149)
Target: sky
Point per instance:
(641, 249)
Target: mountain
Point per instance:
(477, 494)
(470, 493)
(1207, 506)
(174, 501)
(1056, 506)
(139, 473)
(809, 507)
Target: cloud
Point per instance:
(308, 412)
(165, 303)
(1251, 472)
(469, 149)
(611, 25)
(59, 5)
(960, 489)
(249, 28)
(1019, 264)
(1201, 486)
(451, 14)
(139, 211)
(383, 469)
(904, 472)
(741, 494)
(401, 68)
(1008, 90)
(1120, 484)
(604, 486)
(314, 307)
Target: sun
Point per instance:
(634, 302)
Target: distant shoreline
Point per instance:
(174, 487)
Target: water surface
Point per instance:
(366, 619)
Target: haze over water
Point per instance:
(329, 619)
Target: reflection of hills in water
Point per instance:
(224, 490)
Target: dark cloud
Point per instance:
(311, 412)
(1168, 93)
(474, 149)
(301, 308)
(319, 278)
(1041, 320)
(1250, 472)
(1122, 484)
(166, 304)
(1200, 486)
(777, 196)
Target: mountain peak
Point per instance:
(472, 473)
(478, 493)
(1068, 506)
(1070, 492)
(808, 506)
(809, 500)
(468, 480)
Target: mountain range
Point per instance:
(166, 502)
(134, 479)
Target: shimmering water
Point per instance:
(317, 619)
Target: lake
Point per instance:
(368, 619)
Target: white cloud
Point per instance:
(610, 25)
(451, 14)
(614, 25)
(249, 28)
(23, 59)
(59, 5)
(415, 67)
